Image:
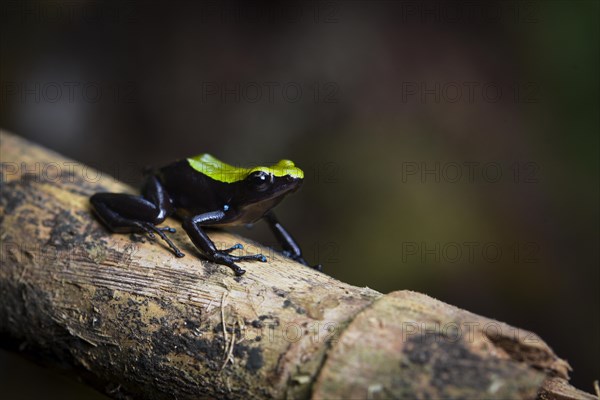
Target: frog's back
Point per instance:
(191, 190)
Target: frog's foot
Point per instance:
(298, 258)
(151, 229)
(317, 267)
(222, 257)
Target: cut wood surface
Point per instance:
(134, 321)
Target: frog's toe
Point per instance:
(252, 257)
(152, 229)
(146, 227)
(237, 270)
(236, 246)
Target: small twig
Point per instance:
(230, 352)
(223, 320)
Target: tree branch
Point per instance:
(135, 321)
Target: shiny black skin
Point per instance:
(194, 193)
(200, 201)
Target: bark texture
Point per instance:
(136, 322)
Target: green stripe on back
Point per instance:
(220, 171)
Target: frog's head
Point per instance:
(251, 191)
(271, 183)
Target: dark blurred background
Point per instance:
(449, 147)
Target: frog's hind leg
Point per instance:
(124, 213)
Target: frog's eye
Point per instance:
(260, 180)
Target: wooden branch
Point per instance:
(135, 321)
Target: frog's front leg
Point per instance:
(287, 242)
(124, 213)
(193, 227)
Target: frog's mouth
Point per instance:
(290, 184)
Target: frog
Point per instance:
(204, 192)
